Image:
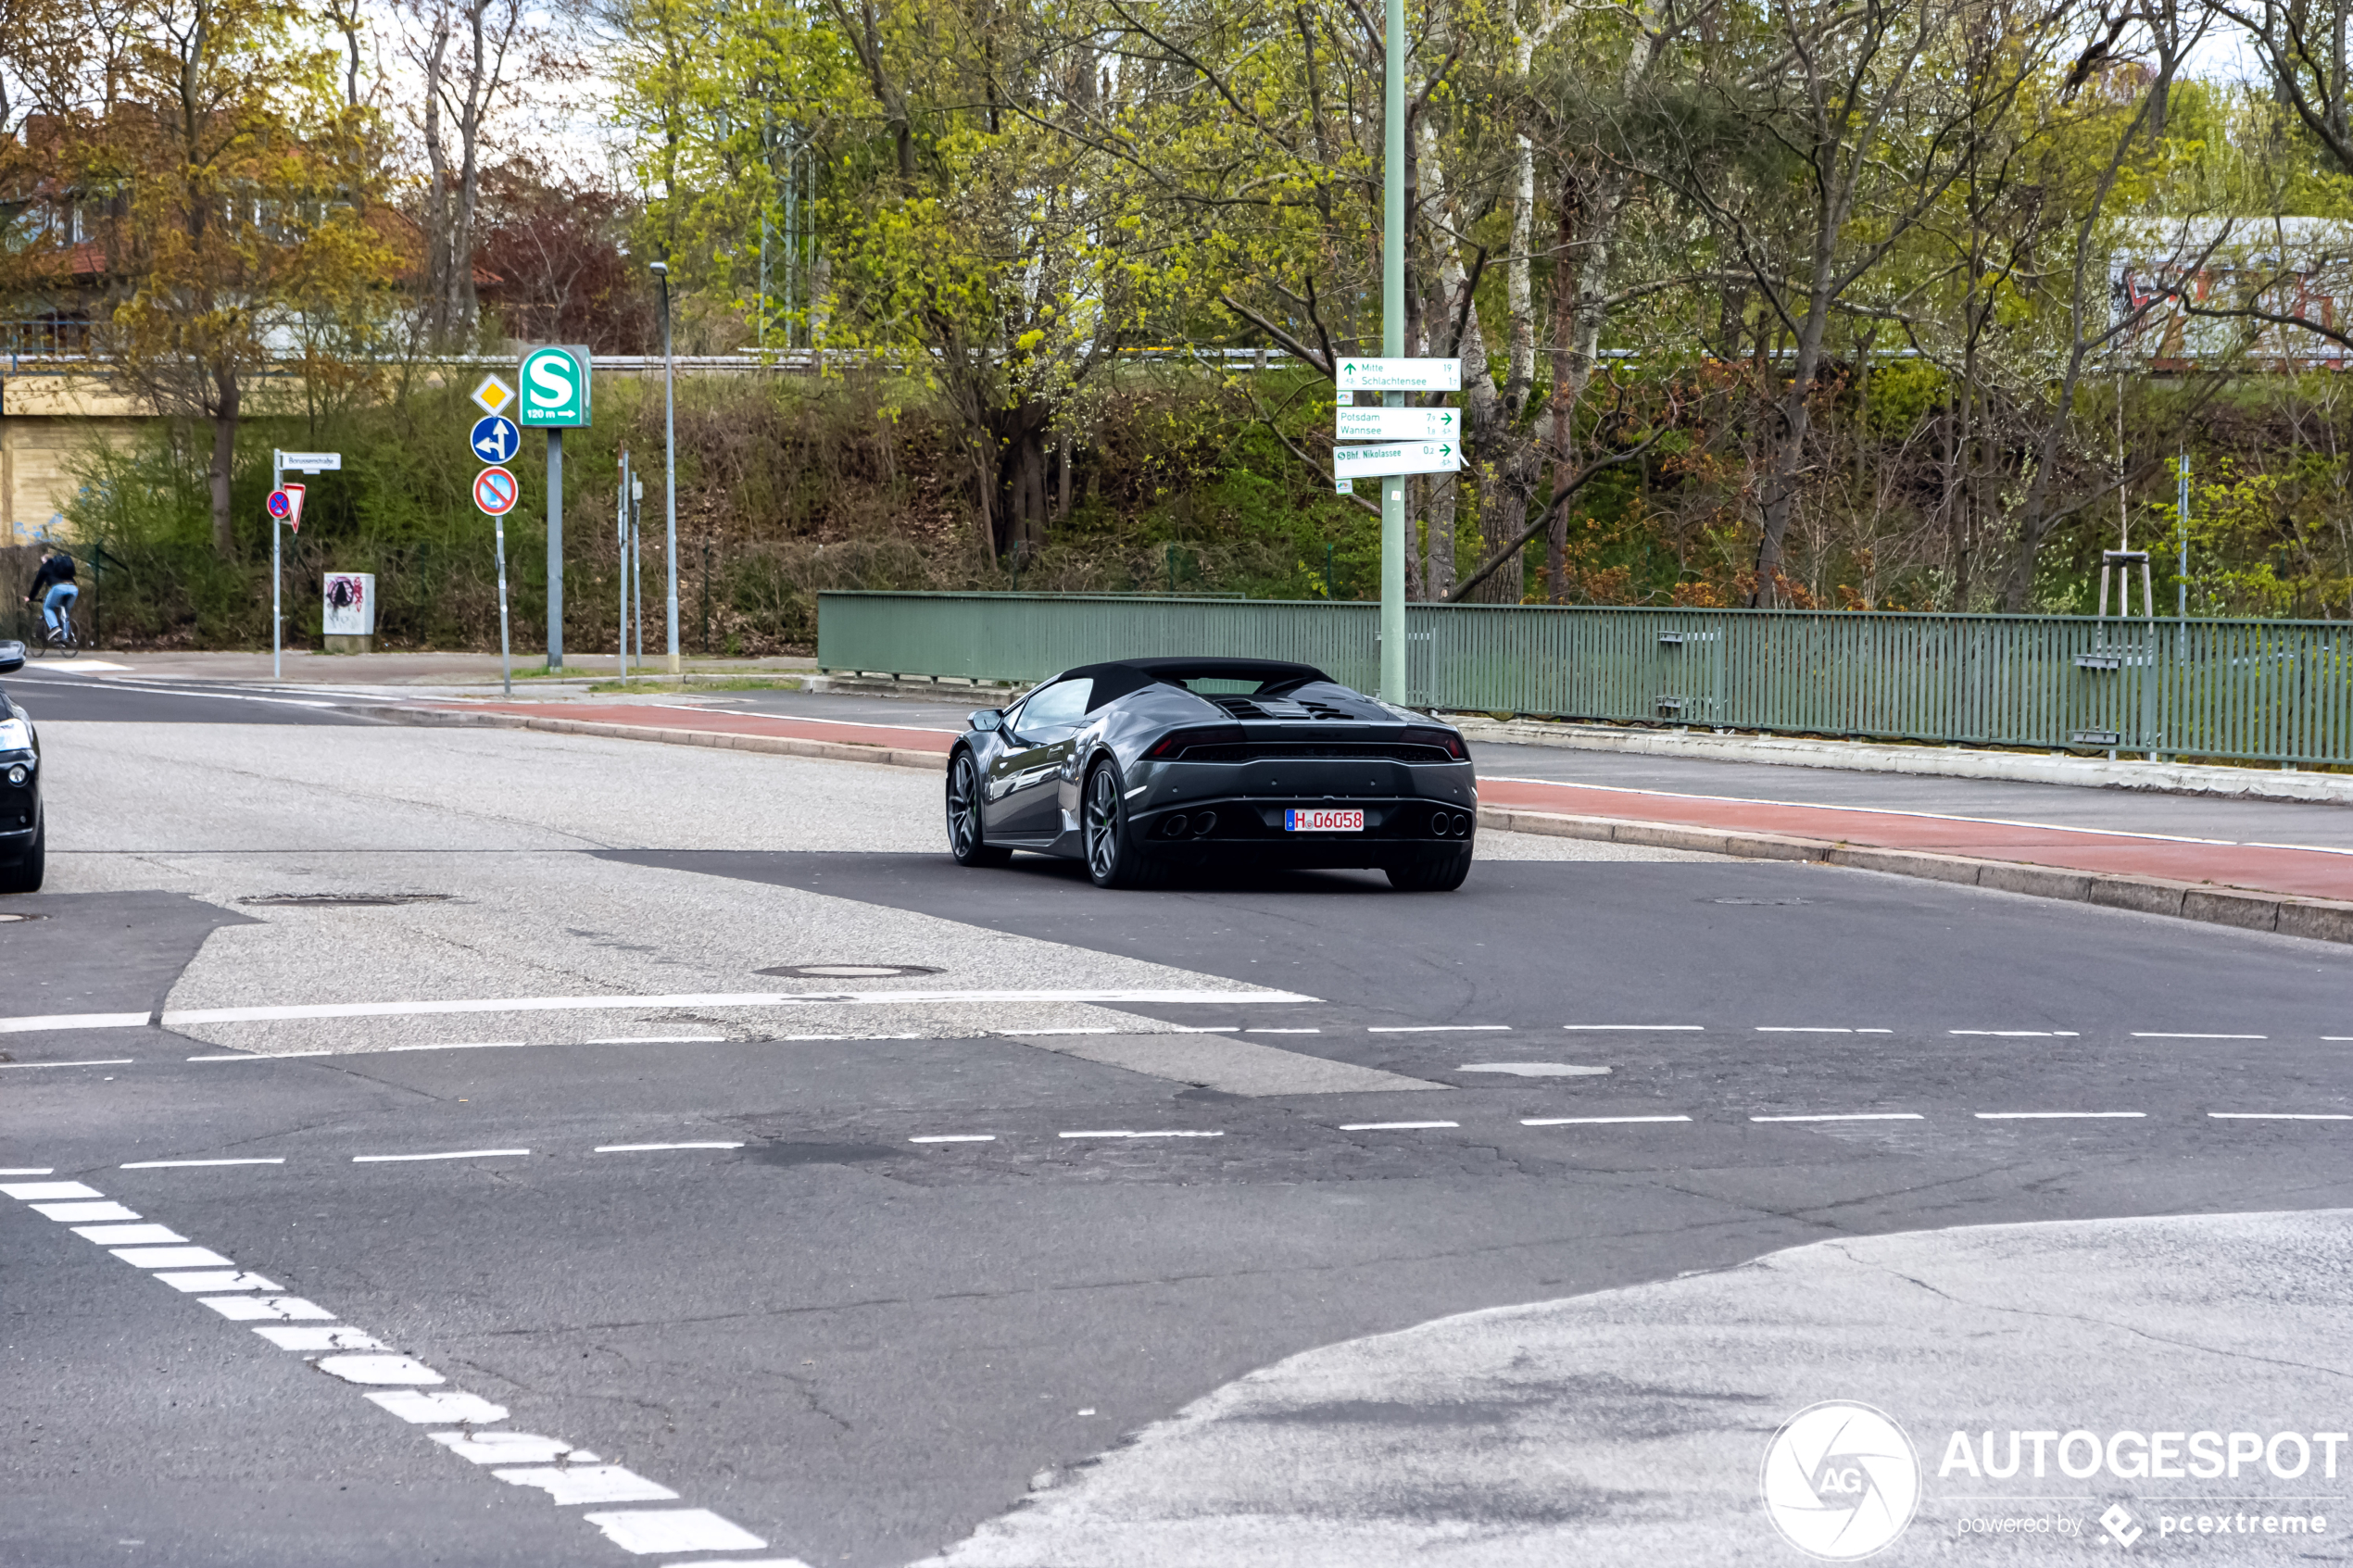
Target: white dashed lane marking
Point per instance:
(957, 1137)
(27, 1171)
(194, 1164)
(2059, 1115)
(449, 1154)
(1393, 1126)
(108, 1062)
(570, 1476)
(2278, 1116)
(2146, 1035)
(1172, 1133)
(1438, 1029)
(1594, 1120)
(1663, 1028)
(1850, 1116)
(2020, 1033)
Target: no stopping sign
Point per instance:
(496, 491)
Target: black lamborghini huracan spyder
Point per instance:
(1147, 765)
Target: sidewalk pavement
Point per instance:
(2298, 888)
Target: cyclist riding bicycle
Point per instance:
(55, 591)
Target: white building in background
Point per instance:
(2210, 291)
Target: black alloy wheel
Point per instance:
(1438, 869)
(1112, 857)
(963, 816)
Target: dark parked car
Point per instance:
(1147, 765)
(23, 832)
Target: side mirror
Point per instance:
(978, 719)
(11, 657)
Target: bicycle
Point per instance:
(66, 643)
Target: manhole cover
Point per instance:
(341, 900)
(1760, 901)
(846, 970)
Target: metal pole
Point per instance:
(555, 549)
(669, 463)
(1392, 345)
(506, 653)
(637, 566)
(2182, 520)
(277, 573)
(621, 549)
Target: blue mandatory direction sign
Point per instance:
(495, 439)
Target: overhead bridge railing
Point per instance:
(2268, 691)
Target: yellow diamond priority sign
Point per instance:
(494, 397)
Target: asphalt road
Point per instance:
(1194, 1132)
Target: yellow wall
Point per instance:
(44, 422)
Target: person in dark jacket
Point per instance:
(54, 590)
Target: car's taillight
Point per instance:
(1445, 740)
(1174, 742)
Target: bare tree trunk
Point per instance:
(437, 232)
(224, 455)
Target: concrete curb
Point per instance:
(1938, 761)
(775, 746)
(2320, 919)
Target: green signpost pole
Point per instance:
(1392, 345)
(555, 549)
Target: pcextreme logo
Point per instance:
(1841, 1481)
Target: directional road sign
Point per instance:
(1396, 424)
(1401, 375)
(1404, 457)
(495, 439)
(555, 388)
(494, 397)
(496, 491)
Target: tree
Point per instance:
(242, 173)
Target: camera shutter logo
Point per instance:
(1841, 1481)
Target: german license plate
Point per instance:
(1323, 821)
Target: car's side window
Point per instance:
(1061, 706)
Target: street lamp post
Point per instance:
(669, 460)
(1392, 334)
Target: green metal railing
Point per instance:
(2277, 691)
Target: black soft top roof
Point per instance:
(1117, 679)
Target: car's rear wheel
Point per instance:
(26, 875)
(964, 839)
(1112, 859)
(1438, 869)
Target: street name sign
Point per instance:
(1401, 375)
(494, 397)
(312, 462)
(494, 439)
(555, 388)
(1396, 424)
(1404, 457)
(496, 492)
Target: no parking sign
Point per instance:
(496, 491)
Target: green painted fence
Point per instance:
(2278, 691)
